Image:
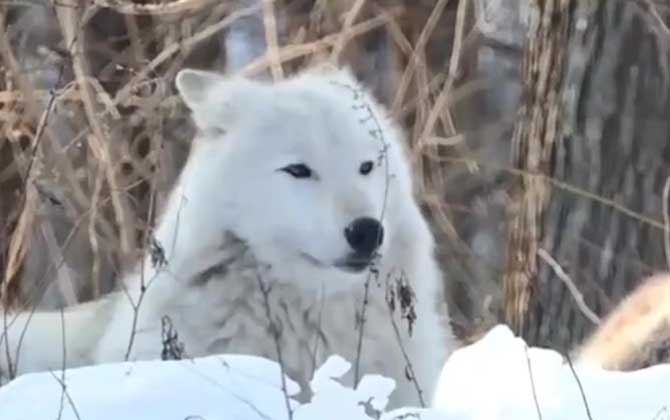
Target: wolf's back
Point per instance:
(51, 340)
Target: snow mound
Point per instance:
(500, 377)
(211, 388)
(497, 378)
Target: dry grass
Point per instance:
(92, 134)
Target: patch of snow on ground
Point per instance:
(211, 388)
(488, 380)
(491, 380)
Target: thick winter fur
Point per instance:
(236, 222)
(637, 332)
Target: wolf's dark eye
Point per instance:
(298, 170)
(366, 167)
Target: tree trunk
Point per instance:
(536, 136)
(604, 223)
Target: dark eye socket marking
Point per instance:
(298, 170)
(366, 167)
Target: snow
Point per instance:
(488, 380)
(491, 379)
(211, 388)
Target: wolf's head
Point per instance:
(309, 171)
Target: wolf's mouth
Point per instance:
(353, 263)
(315, 261)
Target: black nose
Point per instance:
(365, 235)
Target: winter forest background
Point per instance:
(539, 132)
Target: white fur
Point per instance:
(233, 216)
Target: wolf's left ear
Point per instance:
(194, 85)
(217, 101)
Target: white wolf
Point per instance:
(296, 195)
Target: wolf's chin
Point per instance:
(313, 260)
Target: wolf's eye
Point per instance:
(298, 170)
(366, 167)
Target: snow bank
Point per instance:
(489, 380)
(499, 377)
(210, 388)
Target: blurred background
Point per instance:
(539, 133)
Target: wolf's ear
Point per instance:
(217, 101)
(193, 86)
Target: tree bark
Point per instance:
(604, 223)
(537, 134)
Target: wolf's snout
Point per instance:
(364, 235)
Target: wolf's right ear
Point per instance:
(216, 101)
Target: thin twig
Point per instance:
(159, 262)
(174, 48)
(225, 388)
(415, 59)
(574, 291)
(292, 52)
(344, 34)
(63, 365)
(581, 389)
(408, 363)
(67, 395)
(271, 39)
(565, 187)
(9, 271)
(360, 324)
(92, 234)
(454, 65)
(666, 220)
(173, 7)
(99, 142)
(317, 334)
(11, 370)
(532, 383)
(377, 133)
(657, 16)
(16, 249)
(136, 316)
(275, 330)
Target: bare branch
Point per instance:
(581, 389)
(67, 395)
(574, 291)
(270, 23)
(64, 364)
(275, 331)
(396, 289)
(352, 14)
(532, 383)
(174, 7)
(666, 220)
